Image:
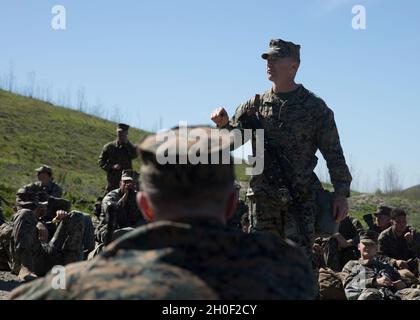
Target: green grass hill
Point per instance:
(33, 133)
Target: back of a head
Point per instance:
(184, 168)
(397, 212)
(55, 204)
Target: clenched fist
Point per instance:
(220, 117)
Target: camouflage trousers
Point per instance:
(65, 246)
(5, 235)
(378, 294)
(88, 236)
(113, 180)
(100, 246)
(268, 216)
(334, 257)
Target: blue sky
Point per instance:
(159, 62)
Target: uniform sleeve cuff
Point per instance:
(342, 189)
(393, 262)
(370, 283)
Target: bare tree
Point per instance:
(138, 118)
(67, 99)
(97, 109)
(48, 93)
(153, 127)
(11, 78)
(81, 99)
(30, 87)
(392, 179)
(365, 186)
(40, 92)
(116, 115)
(160, 123)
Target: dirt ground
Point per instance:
(8, 282)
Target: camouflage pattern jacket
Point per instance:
(351, 228)
(52, 189)
(185, 260)
(115, 153)
(375, 228)
(297, 128)
(117, 214)
(360, 274)
(235, 221)
(24, 239)
(393, 247)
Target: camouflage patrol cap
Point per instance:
(55, 204)
(44, 169)
(185, 158)
(32, 205)
(282, 49)
(129, 175)
(122, 127)
(26, 198)
(369, 237)
(397, 212)
(383, 210)
(25, 194)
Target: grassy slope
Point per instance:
(412, 193)
(33, 132)
(366, 203)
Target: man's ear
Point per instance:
(294, 66)
(231, 205)
(144, 206)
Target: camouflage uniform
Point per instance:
(359, 279)
(235, 221)
(335, 258)
(195, 257)
(26, 250)
(116, 153)
(2, 219)
(52, 189)
(296, 124)
(44, 192)
(117, 215)
(375, 228)
(5, 235)
(164, 260)
(88, 236)
(393, 247)
(381, 210)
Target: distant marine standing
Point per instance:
(117, 156)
